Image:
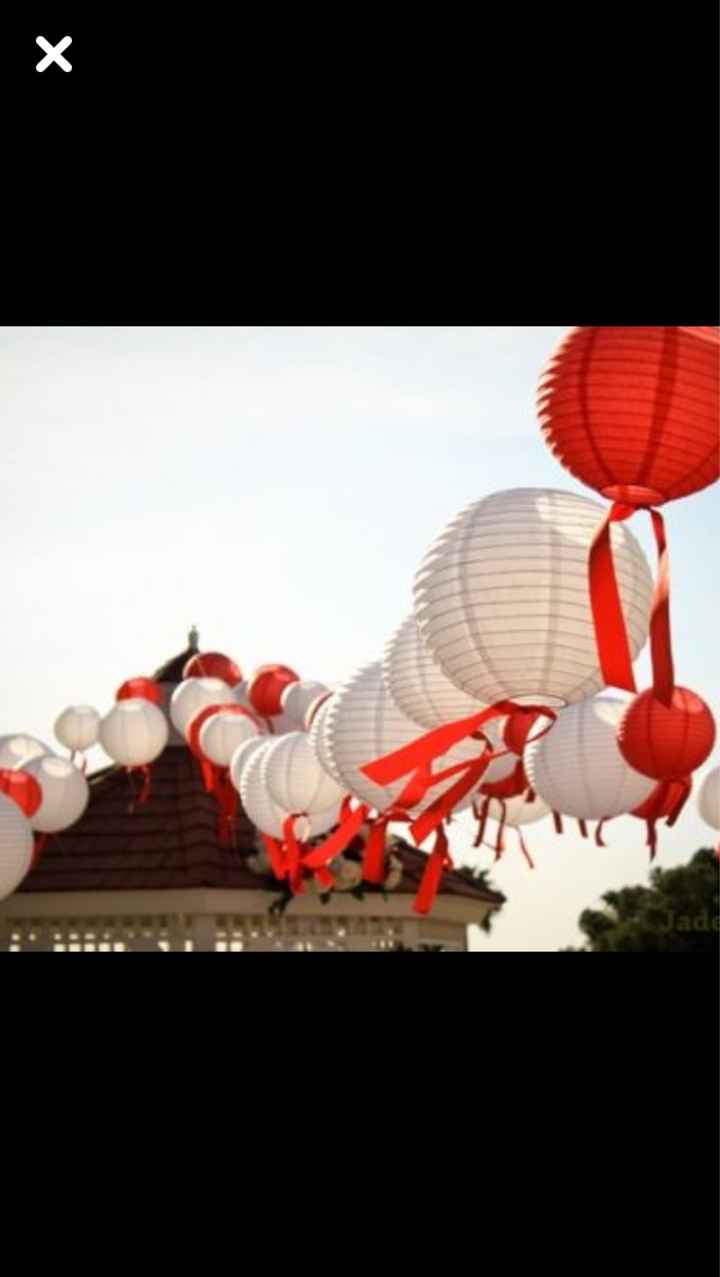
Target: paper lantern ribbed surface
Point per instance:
(578, 770)
(667, 742)
(134, 733)
(16, 846)
(267, 815)
(16, 750)
(242, 756)
(195, 694)
(297, 698)
(213, 665)
(295, 779)
(502, 598)
(221, 735)
(65, 793)
(517, 811)
(317, 741)
(78, 727)
(709, 799)
(418, 685)
(363, 723)
(633, 412)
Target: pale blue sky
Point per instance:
(278, 487)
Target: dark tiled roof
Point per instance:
(172, 840)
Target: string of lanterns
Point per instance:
(490, 697)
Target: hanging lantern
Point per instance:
(633, 413)
(65, 793)
(242, 756)
(16, 846)
(665, 803)
(15, 751)
(313, 709)
(213, 665)
(223, 731)
(577, 768)
(267, 815)
(709, 799)
(23, 789)
(78, 727)
(513, 812)
(297, 698)
(295, 779)
(667, 742)
(134, 733)
(145, 688)
(281, 724)
(417, 683)
(502, 598)
(317, 739)
(195, 694)
(267, 686)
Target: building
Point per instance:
(160, 879)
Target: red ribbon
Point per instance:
(228, 800)
(525, 851)
(324, 878)
(350, 824)
(144, 794)
(582, 826)
(275, 856)
(599, 840)
(39, 841)
(438, 861)
(292, 853)
(610, 629)
(557, 819)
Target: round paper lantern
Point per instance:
(295, 779)
(280, 724)
(501, 768)
(15, 751)
(317, 740)
(502, 598)
(223, 732)
(297, 698)
(78, 727)
(65, 793)
(134, 733)
(145, 688)
(195, 694)
(241, 757)
(268, 816)
(362, 723)
(667, 742)
(517, 811)
(633, 412)
(709, 799)
(23, 789)
(418, 685)
(267, 686)
(313, 709)
(577, 768)
(16, 846)
(213, 665)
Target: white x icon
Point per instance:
(53, 53)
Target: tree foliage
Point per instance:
(678, 913)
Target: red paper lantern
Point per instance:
(146, 688)
(213, 665)
(22, 788)
(667, 742)
(267, 686)
(633, 412)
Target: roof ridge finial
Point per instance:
(193, 639)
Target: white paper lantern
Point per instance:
(363, 723)
(418, 685)
(502, 598)
(518, 811)
(78, 727)
(281, 724)
(295, 779)
(577, 768)
(317, 741)
(134, 733)
(297, 698)
(15, 751)
(502, 767)
(267, 815)
(16, 846)
(195, 694)
(709, 799)
(65, 793)
(241, 757)
(221, 735)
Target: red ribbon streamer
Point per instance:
(599, 840)
(39, 841)
(275, 856)
(610, 629)
(292, 853)
(525, 851)
(557, 819)
(438, 861)
(144, 794)
(350, 824)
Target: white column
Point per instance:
(202, 932)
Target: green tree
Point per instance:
(678, 913)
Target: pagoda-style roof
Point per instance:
(173, 839)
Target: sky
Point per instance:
(278, 487)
